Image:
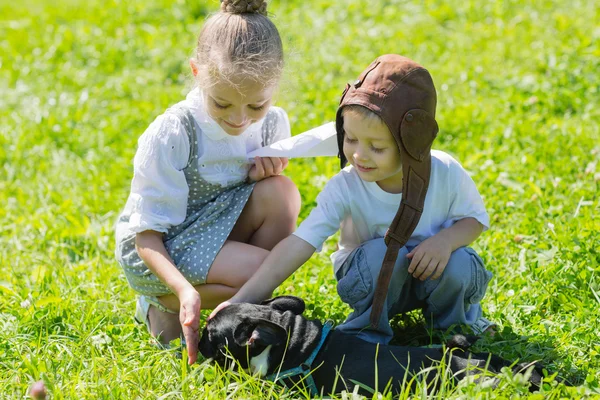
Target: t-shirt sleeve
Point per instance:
(325, 219)
(159, 190)
(465, 200)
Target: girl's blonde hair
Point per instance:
(239, 42)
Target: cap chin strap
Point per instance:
(401, 229)
(416, 169)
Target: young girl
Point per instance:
(397, 198)
(200, 218)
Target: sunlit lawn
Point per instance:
(518, 105)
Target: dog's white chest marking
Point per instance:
(260, 364)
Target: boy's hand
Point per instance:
(189, 317)
(224, 304)
(429, 258)
(265, 167)
(219, 308)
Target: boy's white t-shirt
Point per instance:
(363, 211)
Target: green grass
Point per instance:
(518, 105)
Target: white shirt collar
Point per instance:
(382, 195)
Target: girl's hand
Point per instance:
(429, 258)
(265, 167)
(189, 317)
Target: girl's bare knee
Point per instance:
(279, 193)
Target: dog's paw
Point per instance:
(461, 342)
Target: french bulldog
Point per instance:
(274, 337)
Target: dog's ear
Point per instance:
(265, 333)
(286, 303)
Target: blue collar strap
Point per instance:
(304, 369)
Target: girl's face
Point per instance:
(235, 107)
(370, 147)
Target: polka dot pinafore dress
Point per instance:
(212, 211)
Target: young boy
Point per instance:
(386, 125)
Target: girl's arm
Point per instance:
(285, 258)
(152, 251)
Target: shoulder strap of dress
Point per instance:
(189, 123)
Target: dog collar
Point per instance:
(304, 369)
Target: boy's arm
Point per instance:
(285, 258)
(289, 254)
(430, 257)
(462, 233)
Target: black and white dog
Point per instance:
(275, 341)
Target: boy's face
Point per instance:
(370, 147)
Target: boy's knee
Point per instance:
(465, 271)
(357, 278)
(458, 269)
(374, 252)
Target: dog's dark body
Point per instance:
(278, 327)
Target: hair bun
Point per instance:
(244, 6)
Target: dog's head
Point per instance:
(253, 335)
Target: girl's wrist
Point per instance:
(182, 288)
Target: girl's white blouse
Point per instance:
(159, 191)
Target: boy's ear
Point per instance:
(286, 303)
(267, 333)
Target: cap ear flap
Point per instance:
(286, 303)
(418, 130)
(339, 127)
(266, 333)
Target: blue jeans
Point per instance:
(451, 299)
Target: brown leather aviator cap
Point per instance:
(402, 94)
